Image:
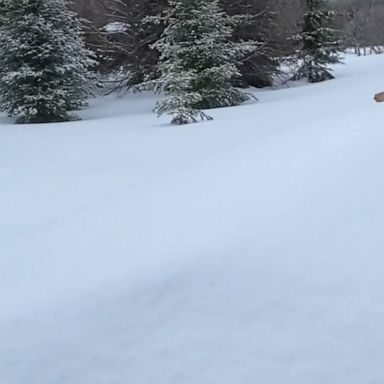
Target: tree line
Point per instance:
(200, 54)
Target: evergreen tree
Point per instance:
(260, 68)
(44, 66)
(198, 60)
(320, 44)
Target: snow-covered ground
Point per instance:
(245, 250)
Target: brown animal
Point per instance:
(379, 97)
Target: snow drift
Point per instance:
(244, 250)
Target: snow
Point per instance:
(247, 249)
(115, 27)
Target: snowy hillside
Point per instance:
(245, 250)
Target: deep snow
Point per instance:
(245, 250)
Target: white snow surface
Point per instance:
(245, 250)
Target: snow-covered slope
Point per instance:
(245, 250)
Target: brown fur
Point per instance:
(379, 97)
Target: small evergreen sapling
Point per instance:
(44, 65)
(320, 43)
(198, 60)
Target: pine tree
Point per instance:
(44, 66)
(198, 60)
(320, 44)
(260, 68)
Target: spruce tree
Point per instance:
(44, 65)
(320, 45)
(198, 60)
